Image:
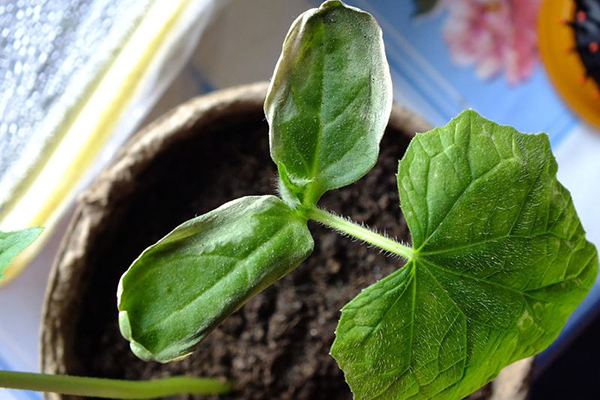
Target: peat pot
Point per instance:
(200, 155)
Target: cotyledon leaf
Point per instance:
(179, 289)
(329, 101)
(12, 243)
(500, 262)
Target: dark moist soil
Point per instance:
(277, 345)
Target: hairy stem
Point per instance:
(112, 388)
(359, 232)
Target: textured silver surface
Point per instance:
(51, 54)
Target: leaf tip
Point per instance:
(37, 230)
(125, 325)
(468, 114)
(331, 4)
(137, 348)
(17, 241)
(141, 352)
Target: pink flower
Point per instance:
(494, 35)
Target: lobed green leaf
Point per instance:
(329, 101)
(501, 261)
(12, 243)
(179, 289)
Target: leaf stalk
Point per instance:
(360, 232)
(112, 388)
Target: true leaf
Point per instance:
(12, 243)
(179, 289)
(500, 262)
(329, 100)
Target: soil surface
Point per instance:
(277, 345)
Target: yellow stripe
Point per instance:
(56, 183)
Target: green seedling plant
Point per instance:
(498, 259)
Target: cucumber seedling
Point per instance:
(498, 261)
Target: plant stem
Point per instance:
(112, 388)
(359, 232)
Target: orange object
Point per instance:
(565, 66)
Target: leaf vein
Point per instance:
(459, 198)
(259, 248)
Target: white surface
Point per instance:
(578, 157)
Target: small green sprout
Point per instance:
(12, 243)
(498, 261)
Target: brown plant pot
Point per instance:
(210, 150)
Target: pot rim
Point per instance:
(114, 184)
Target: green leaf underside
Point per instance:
(179, 289)
(12, 243)
(501, 261)
(329, 100)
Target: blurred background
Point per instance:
(78, 77)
